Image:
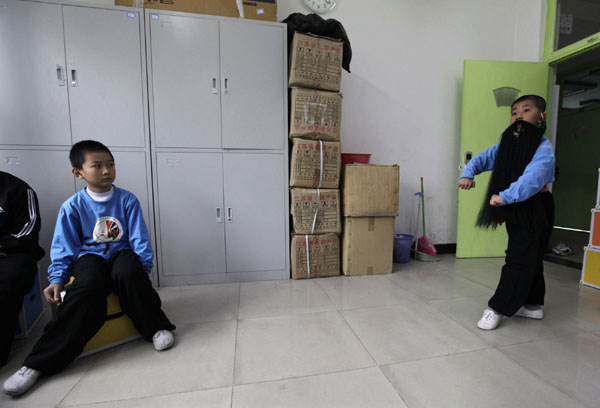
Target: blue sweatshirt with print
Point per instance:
(538, 173)
(85, 226)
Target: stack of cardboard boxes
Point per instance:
(315, 116)
(370, 195)
(590, 275)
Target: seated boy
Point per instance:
(19, 253)
(100, 239)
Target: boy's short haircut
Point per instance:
(79, 149)
(536, 99)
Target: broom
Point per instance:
(424, 244)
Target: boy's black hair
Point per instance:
(536, 99)
(79, 149)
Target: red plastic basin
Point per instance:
(355, 158)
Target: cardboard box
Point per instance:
(367, 246)
(316, 62)
(323, 253)
(370, 190)
(315, 164)
(318, 208)
(315, 114)
(590, 275)
(256, 10)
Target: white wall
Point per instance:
(402, 100)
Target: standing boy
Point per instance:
(19, 252)
(523, 165)
(100, 239)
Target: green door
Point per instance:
(487, 84)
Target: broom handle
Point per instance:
(423, 204)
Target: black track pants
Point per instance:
(17, 274)
(522, 279)
(83, 311)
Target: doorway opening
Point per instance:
(577, 151)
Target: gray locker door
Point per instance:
(34, 105)
(190, 213)
(252, 85)
(254, 211)
(132, 176)
(49, 174)
(185, 81)
(105, 77)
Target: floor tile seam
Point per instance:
(479, 283)
(458, 353)
(91, 404)
(397, 391)
(555, 337)
(297, 377)
(565, 392)
(357, 337)
(283, 314)
(288, 315)
(92, 365)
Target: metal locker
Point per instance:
(34, 105)
(185, 81)
(105, 76)
(255, 213)
(253, 85)
(190, 214)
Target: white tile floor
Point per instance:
(403, 340)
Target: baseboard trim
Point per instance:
(445, 248)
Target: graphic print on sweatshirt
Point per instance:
(107, 229)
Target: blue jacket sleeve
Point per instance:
(484, 161)
(139, 239)
(66, 245)
(538, 173)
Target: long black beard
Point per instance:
(514, 154)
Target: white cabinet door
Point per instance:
(104, 67)
(255, 211)
(34, 106)
(190, 213)
(252, 70)
(48, 172)
(185, 81)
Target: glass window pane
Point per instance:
(576, 19)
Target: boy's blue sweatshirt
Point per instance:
(538, 173)
(85, 226)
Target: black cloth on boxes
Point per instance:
(315, 24)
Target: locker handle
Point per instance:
(74, 77)
(219, 216)
(60, 76)
(215, 86)
(229, 214)
(225, 85)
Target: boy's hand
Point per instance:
(496, 201)
(466, 183)
(52, 292)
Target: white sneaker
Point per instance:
(536, 313)
(163, 339)
(21, 381)
(490, 320)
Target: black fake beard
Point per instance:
(514, 154)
